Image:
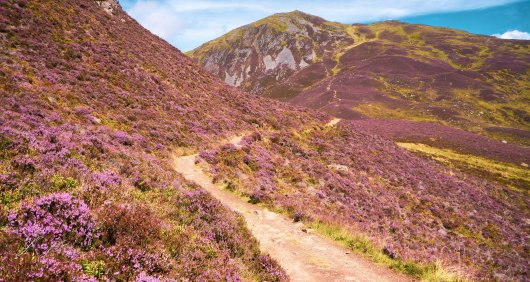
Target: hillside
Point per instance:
(92, 109)
(385, 70)
(90, 105)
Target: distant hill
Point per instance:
(385, 70)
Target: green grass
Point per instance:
(61, 183)
(382, 111)
(362, 245)
(505, 173)
(94, 268)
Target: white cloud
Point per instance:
(187, 6)
(189, 23)
(514, 34)
(158, 18)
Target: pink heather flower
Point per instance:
(53, 218)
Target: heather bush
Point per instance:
(132, 225)
(52, 219)
(3, 216)
(272, 271)
(123, 262)
(57, 264)
(123, 138)
(5, 145)
(209, 156)
(14, 265)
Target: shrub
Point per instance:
(61, 183)
(52, 219)
(123, 138)
(94, 268)
(271, 270)
(5, 145)
(298, 216)
(132, 225)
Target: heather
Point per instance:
(412, 208)
(92, 67)
(52, 219)
(500, 161)
(513, 176)
(90, 106)
(441, 136)
(383, 70)
(78, 204)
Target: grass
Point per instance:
(382, 111)
(506, 173)
(362, 245)
(274, 22)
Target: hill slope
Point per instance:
(91, 107)
(389, 70)
(90, 103)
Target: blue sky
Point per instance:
(187, 24)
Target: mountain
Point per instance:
(93, 108)
(385, 70)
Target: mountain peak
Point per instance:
(297, 13)
(293, 15)
(283, 42)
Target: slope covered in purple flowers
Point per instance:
(446, 137)
(91, 107)
(384, 70)
(414, 208)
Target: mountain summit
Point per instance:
(278, 45)
(389, 70)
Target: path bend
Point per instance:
(304, 256)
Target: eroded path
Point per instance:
(304, 256)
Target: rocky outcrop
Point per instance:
(108, 6)
(256, 56)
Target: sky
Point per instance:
(188, 24)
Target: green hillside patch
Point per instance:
(384, 111)
(515, 177)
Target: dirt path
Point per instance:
(304, 256)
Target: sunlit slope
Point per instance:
(388, 70)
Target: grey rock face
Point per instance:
(108, 6)
(263, 53)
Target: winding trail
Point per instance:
(304, 256)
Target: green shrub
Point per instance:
(61, 183)
(94, 268)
